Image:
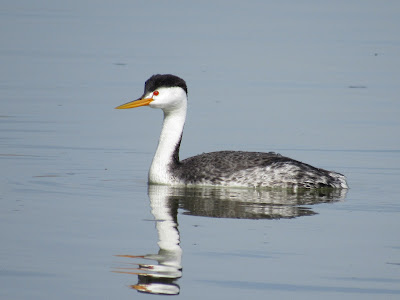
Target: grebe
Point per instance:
(222, 168)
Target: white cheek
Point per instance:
(168, 98)
(157, 103)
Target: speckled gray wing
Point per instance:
(255, 169)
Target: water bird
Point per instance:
(222, 168)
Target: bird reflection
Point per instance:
(161, 276)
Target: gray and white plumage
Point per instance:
(222, 168)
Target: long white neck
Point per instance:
(170, 137)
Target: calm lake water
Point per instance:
(314, 81)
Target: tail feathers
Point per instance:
(339, 180)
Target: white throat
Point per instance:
(171, 133)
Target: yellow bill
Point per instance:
(135, 103)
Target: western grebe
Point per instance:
(222, 168)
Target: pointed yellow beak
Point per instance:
(135, 103)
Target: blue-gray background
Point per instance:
(314, 80)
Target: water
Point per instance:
(316, 82)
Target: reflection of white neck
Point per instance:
(168, 234)
(170, 136)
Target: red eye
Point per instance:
(155, 93)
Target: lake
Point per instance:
(317, 82)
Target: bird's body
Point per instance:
(253, 169)
(222, 168)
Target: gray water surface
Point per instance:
(314, 81)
